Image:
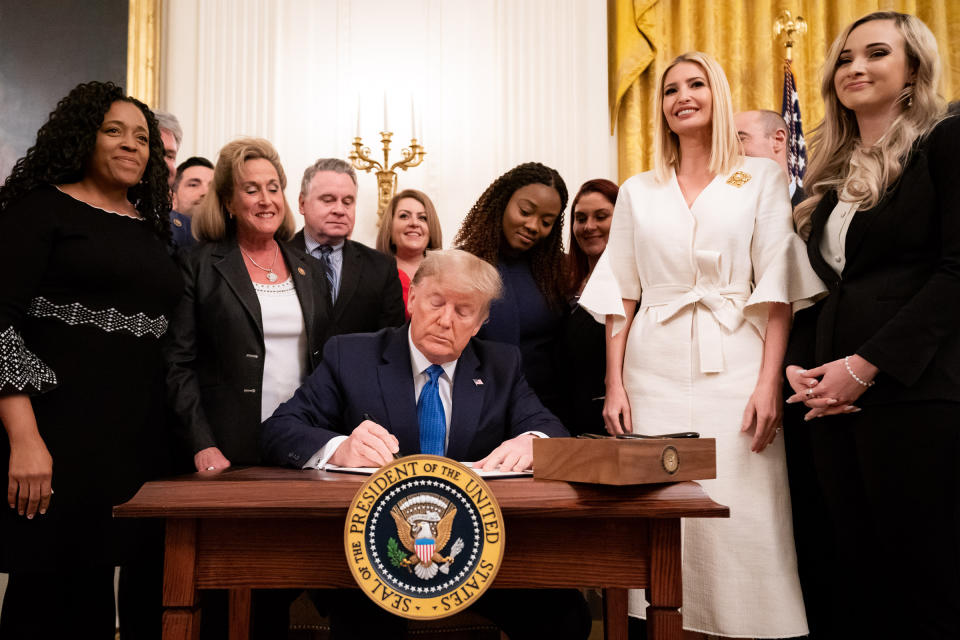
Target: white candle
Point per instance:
(386, 125)
(413, 119)
(358, 116)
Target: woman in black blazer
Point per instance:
(231, 326)
(248, 330)
(884, 235)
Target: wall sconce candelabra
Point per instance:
(386, 173)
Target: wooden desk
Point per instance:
(283, 528)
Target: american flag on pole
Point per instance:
(796, 146)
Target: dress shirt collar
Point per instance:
(312, 244)
(419, 362)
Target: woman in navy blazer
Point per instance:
(884, 235)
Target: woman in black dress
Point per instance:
(582, 355)
(89, 289)
(884, 235)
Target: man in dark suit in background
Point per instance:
(190, 186)
(763, 134)
(369, 399)
(364, 283)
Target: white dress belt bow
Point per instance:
(724, 302)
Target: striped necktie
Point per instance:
(324, 257)
(433, 422)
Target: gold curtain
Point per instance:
(143, 51)
(645, 35)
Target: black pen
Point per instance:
(367, 416)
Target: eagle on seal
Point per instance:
(424, 523)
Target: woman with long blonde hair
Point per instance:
(704, 246)
(883, 223)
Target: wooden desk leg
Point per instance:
(239, 614)
(181, 616)
(615, 614)
(664, 621)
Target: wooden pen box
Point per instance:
(620, 462)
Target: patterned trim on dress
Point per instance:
(21, 370)
(277, 289)
(109, 320)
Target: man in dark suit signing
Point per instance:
(364, 285)
(427, 387)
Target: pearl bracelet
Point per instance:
(846, 363)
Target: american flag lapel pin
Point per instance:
(478, 382)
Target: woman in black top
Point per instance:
(89, 290)
(583, 341)
(884, 235)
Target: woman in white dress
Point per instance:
(705, 246)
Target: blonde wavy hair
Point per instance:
(838, 162)
(725, 152)
(212, 221)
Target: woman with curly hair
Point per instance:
(81, 373)
(517, 225)
(882, 351)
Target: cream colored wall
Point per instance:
(498, 82)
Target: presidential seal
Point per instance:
(424, 537)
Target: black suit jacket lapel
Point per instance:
(297, 241)
(818, 222)
(859, 226)
(395, 376)
(349, 278)
(234, 272)
(467, 404)
(315, 312)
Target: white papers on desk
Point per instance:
(366, 471)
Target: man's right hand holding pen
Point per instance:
(370, 445)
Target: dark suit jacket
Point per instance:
(215, 349)
(370, 296)
(897, 302)
(371, 373)
(180, 233)
(798, 196)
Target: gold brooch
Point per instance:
(177, 222)
(739, 179)
(301, 271)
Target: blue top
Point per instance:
(523, 317)
(180, 230)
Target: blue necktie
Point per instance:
(325, 251)
(433, 423)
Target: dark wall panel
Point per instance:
(46, 48)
